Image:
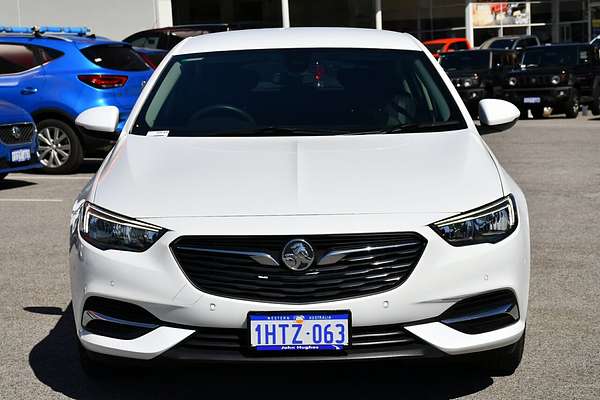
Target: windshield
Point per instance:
(465, 60)
(551, 56)
(435, 47)
(300, 92)
(502, 44)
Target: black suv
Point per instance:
(478, 74)
(556, 79)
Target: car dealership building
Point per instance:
(551, 20)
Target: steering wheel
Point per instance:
(222, 107)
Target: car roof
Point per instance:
(554, 45)
(289, 38)
(445, 40)
(53, 39)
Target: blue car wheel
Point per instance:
(59, 148)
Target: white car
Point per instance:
(303, 194)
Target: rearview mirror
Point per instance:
(101, 119)
(496, 116)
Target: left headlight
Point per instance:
(488, 224)
(109, 231)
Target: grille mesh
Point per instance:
(363, 338)
(373, 263)
(25, 133)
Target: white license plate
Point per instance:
(20, 155)
(532, 100)
(304, 331)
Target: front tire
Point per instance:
(572, 106)
(503, 361)
(59, 148)
(538, 113)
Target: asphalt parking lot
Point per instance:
(556, 162)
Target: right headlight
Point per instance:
(512, 81)
(109, 231)
(488, 224)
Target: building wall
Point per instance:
(115, 19)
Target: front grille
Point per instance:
(23, 133)
(535, 81)
(363, 338)
(373, 263)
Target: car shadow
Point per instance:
(55, 362)
(8, 183)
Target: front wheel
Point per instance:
(572, 107)
(59, 148)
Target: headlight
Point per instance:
(467, 82)
(488, 224)
(512, 81)
(555, 80)
(109, 231)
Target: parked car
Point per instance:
(56, 73)
(438, 46)
(153, 44)
(556, 79)
(370, 221)
(18, 140)
(478, 74)
(513, 42)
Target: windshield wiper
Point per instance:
(411, 127)
(280, 131)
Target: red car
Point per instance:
(438, 46)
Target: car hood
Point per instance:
(149, 177)
(10, 114)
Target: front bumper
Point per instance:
(7, 166)
(549, 97)
(471, 97)
(443, 276)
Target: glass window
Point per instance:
(465, 60)
(551, 55)
(501, 44)
(435, 47)
(16, 58)
(146, 41)
(459, 46)
(307, 91)
(121, 58)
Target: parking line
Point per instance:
(57, 178)
(31, 200)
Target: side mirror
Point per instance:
(496, 116)
(101, 119)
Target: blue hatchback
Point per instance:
(55, 74)
(18, 141)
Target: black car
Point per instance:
(478, 74)
(515, 42)
(556, 79)
(154, 44)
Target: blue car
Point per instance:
(18, 141)
(55, 74)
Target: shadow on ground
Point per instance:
(55, 363)
(8, 183)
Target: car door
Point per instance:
(21, 74)
(584, 70)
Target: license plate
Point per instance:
(531, 100)
(20, 155)
(302, 331)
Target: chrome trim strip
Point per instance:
(259, 257)
(89, 316)
(380, 342)
(336, 255)
(509, 309)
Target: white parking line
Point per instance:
(31, 200)
(57, 178)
